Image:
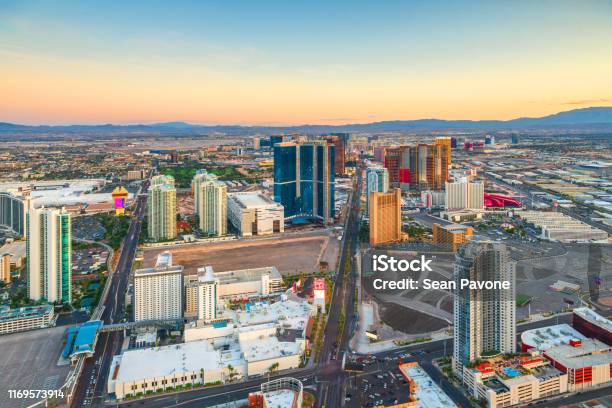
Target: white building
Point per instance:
(158, 293)
(435, 199)
(463, 195)
(161, 368)
(161, 209)
(252, 213)
(232, 348)
(207, 294)
(557, 226)
(586, 362)
(210, 203)
(204, 290)
(49, 255)
(543, 338)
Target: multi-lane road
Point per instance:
(331, 378)
(91, 386)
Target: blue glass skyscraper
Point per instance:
(304, 179)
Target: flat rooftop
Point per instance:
(29, 360)
(590, 353)
(290, 314)
(164, 259)
(177, 358)
(267, 348)
(280, 398)
(454, 227)
(547, 337)
(7, 314)
(247, 275)
(427, 393)
(252, 199)
(593, 317)
(17, 249)
(161, 270)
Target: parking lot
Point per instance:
(21, 352)
(87, 227)
(88, 261)
(381, 384)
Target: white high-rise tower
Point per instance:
(210, 201)
(484, 319)
(49, 255)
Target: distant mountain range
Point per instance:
(594, 118)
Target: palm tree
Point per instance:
(232, 372)
(273, 368)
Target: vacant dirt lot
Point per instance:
(409, 321)
(290, 255)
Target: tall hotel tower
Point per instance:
(49, 255)
(485, 319)
(304, 179)
(377, 181)
(462, 195)
(161, 208)
(419, 167)
(210, 202)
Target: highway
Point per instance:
(91, 386)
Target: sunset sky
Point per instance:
(295, 62)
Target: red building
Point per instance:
(592, 325)
(500, 201)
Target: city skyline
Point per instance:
(306, 204)
(283, 64)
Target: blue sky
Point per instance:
(276, 61)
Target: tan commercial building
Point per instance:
(385, 217)
(5, 268)
(452, 235)
(135, 175)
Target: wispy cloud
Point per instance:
(588, 101)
